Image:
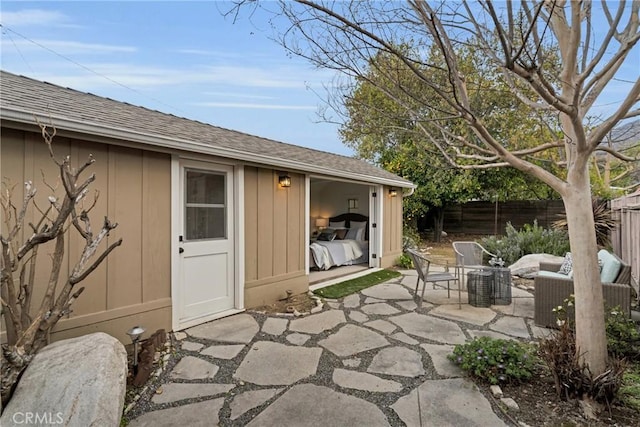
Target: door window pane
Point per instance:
(205, 211)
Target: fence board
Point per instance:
(625, 239)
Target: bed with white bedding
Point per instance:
(349, 244)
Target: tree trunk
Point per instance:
(591, 338)
(438, 222)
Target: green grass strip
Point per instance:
(352, 286)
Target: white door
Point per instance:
(206, 240)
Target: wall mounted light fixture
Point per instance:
(284, 181)
(393, 192)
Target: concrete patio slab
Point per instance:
(299, 407)
(223, 351)
(298, 339)
(388, 291)
(192, 368)
(274, 326)
(442, 365)
(397, 361)
(191, 346)
(402, 337)
(201, 414)
(251, 399)
(317, 323)
(439, 330)
(351, 301)
(410, 305)
(451, 402)
(354, 362)
(358, 316)
(380, 309)
(172, 392)
(239, 328)
(513, 326)
(269, 363)
(352, 339)
(363, 381)
(467, 313)
(382, 326)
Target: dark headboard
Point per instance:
(352, 216)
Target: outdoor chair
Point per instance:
(422, 265)
(470, 256)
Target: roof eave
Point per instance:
(90, 128)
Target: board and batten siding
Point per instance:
(274, 236)
(391, 228)
(132, 286)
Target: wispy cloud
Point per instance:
(63, 47)
(253, 106)
(238, 95)
(31, 17)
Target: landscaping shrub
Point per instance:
(623, 337)
(410, 238)
(495, 360)
(404, 261)
(531, 239)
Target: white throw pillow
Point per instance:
(567, 264)
(337, 224)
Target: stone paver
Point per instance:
(317, 323)
(191, 346)
(370, 300)
(333, 305)
(358, 316)
(410, 305)
(251, 399)
(192, 368)
(300, 406)
(439, 330)
(298, 339)
(380, 309)
(173, 392)
(180, 335)
(274, 326)
(363, 381)
(538, 332)
(351, 301)
(450, 402)
(352, 339)
(402, 337)
(382, 326)
(201, 414)
(240, 328)
(397, 361)
(469, 314)
(387, 291)
(521, 307)
(270, 363)
(223, 351)
(443, 366)
(439, 296)
(513, 326)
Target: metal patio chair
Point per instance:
(469, 256)
(422, 265)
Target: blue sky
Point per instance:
(182, 58)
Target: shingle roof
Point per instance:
(33, 97)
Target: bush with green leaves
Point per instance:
(530, 239)
(410, 238)
(404, 261)
(496, 360)
(623, 335)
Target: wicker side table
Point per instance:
(479, 284)
(501, 292)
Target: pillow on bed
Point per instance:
(358, 224)
(341, 233)
(337, 224)
(327, 236)
(360, 234)
(352, 233)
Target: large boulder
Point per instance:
(529, 265)
(74, 382)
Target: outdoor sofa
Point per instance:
(552, 287)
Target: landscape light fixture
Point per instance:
(284, 181)
(135, 333)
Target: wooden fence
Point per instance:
(626, 237)
(492, 218)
